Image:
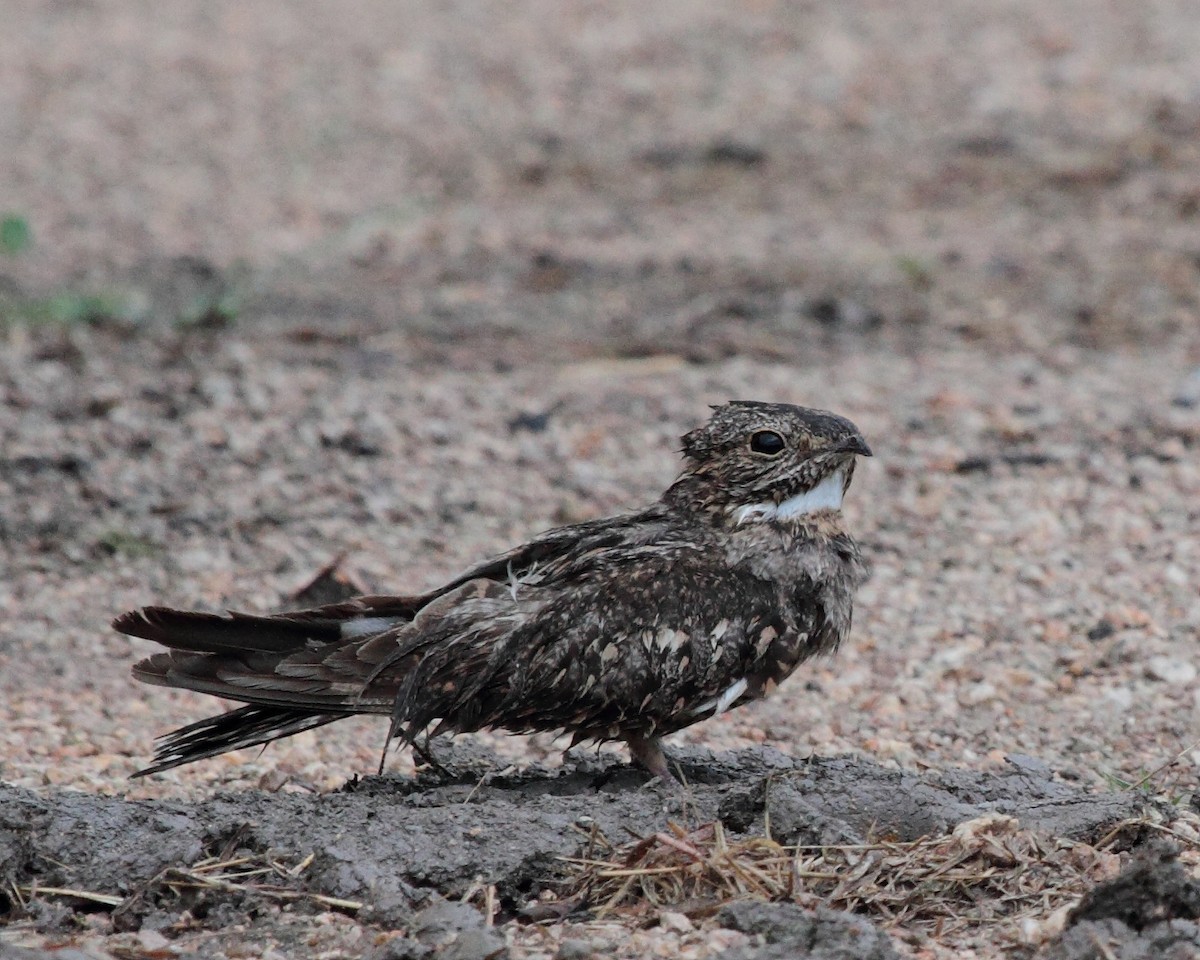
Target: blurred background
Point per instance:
(705, 179)
(399, 284)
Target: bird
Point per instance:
(627, 628)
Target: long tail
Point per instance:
(244, 727)
(294, 671)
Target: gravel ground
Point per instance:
(405, 284)
(1029, 521)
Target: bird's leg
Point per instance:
(647, 752)
(423, 753)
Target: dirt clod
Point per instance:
(1148, 912)
(789, 930)
(392, 851)
(1155, 888)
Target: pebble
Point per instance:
(152, 941)
(1187, 392)
(573, 949)
(1170, 670)
(675, 922)
(978, 693)
(1121, 698)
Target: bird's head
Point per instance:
(758, 462)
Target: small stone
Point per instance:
(484, 943)
(152, 940)
(1121, 698)
(400, 948)
(1187, 392)
(573, 949)
(272, 781)
(1038, 931)
(1102, 630)
(978, 693)
(1169, 670)
(675, 922)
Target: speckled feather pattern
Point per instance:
(625, 628)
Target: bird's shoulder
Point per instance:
(567, 554)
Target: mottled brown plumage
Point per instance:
(626, 628)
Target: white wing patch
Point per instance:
(365, 626)
(725, 700)
(826, 495)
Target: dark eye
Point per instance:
(767, 442)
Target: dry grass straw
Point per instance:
(986, 870)
(259, 875)
(256, 875)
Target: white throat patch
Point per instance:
(826, 495)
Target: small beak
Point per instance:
(855, 444)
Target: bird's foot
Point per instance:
(647, 753)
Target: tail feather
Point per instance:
(230, 633)
(244, 727)
(294, 671)
(276, 633)
(262, 685)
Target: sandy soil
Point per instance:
(403, 284)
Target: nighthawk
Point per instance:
(627, 628)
